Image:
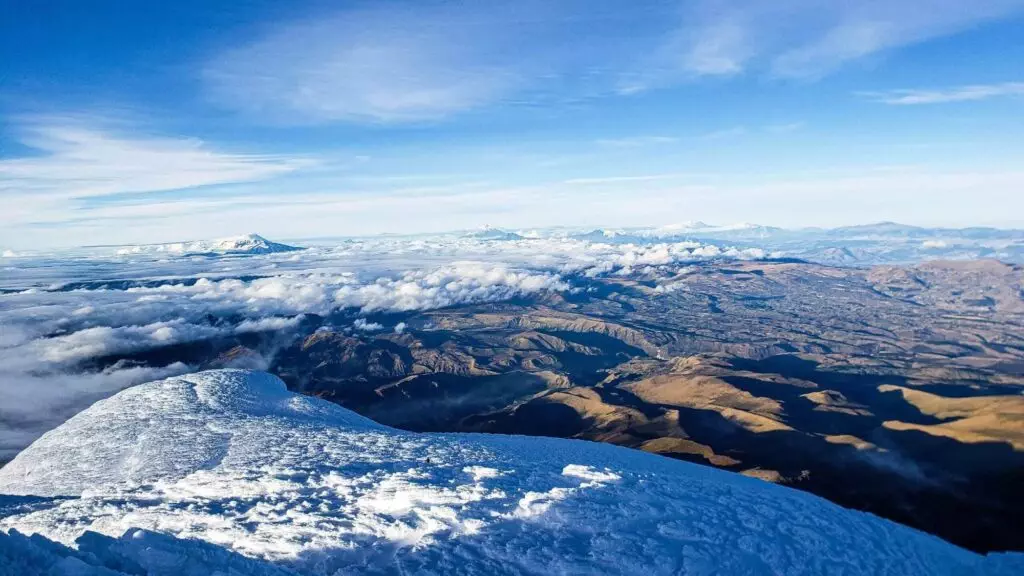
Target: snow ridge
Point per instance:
(227, 469)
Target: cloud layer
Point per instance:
(54, 333)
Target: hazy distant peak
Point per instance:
(488, 232)
(688, 225)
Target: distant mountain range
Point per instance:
(862, 245)
(749, 230)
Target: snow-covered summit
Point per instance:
(245, 244)
(683, 227)
(228, 471)
(491, 233)
(249, 244)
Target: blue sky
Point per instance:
(126, 121)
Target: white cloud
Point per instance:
(836, 33)
(725, 133)
(80, 161)
(636, 141)
(52, 330)
(457, 283)
(615, 179)
(642, 141)
(968, 93)
(32, 402)
(75, 162)
(49, 337)
(269, 323)
(363, 325)
(784, 128)
(801, 38)
(383, 64)
(104, 340)
(400, 62)
(719, 47)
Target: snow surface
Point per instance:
(228, 471)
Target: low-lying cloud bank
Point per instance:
(54, 333)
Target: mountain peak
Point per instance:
(233, 461)
(488, 232)
(243, 244)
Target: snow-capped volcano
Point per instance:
(683, 227)
(491, 233)
(228, 471)
(246, 244)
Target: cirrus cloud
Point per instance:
(969, 93)
(81, 160)
(416, 61)
(79, 163)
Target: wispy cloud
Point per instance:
(855, 195)
(719, 49)
(784, 128)
(636, 141)
(77, 160)
(621, 179)
(968, 93)
(643, 141)
(390, 63)
(837, 33)
(802, 39)
(422, 61)
(724, 133)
